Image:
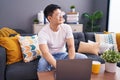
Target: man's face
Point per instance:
(57, 17)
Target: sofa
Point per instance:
(28, 71)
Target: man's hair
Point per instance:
(48, 11)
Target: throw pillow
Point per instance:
(103, 46)
(118, 40)
(92, 48)
(13, 49)
(30, 47)
(5, 32)
(106, 32)
(107, 38)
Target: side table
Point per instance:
(103, 75)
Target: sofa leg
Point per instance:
(46, 75)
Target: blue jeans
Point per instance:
(43, 65)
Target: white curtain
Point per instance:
(114, 16)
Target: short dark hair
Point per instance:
(48, 11)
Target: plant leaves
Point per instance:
(111, 56)
(86, 15)
(98, 15)
(92, 20)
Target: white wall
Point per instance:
(114, 16)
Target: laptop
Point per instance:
(74, 69)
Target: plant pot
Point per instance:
(36, 22)
(73, 10)
(110, 67)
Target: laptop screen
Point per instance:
(74, 69)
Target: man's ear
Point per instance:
(49, 18)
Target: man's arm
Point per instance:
(71, 48)
(47, 55)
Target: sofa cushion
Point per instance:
(78, 36)
(91, 48)
(118, 64)
(90, 35)
(103, 46)
(2, 63)
(22, 71)
(20, 31)
(95, 57)
(118, 40)
(13, 49)
(30, 47)
(107, 38)
(5, 32)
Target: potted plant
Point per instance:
(92, 20)
(72, 7)
(36, 21)
(111, 58)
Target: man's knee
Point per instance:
(80, 56)
(42, 65)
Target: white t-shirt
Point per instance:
(55, 40)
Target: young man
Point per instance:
(52, 40)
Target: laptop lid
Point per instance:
(74, 69)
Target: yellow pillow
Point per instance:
(92, 48)
(5, 32)
(106, 32)
(118, 40)
(13, 49)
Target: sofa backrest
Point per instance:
(78, 36)
(90, 35)
(20, 31)
(83, 36)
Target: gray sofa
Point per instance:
(28, 71)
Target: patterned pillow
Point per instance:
(103, 46)
(107, 38)
(30, 47)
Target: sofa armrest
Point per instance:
(2, 63)
(20, 31)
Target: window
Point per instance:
(114, 16)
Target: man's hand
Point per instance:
(47, 55)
